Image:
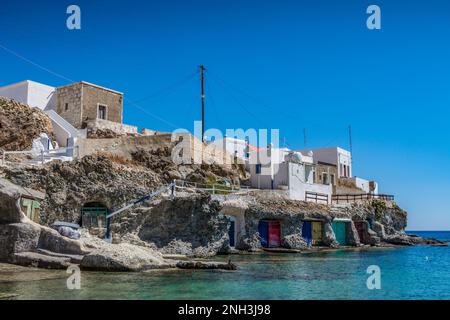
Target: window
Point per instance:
(332, 179)
(325, 178)
(258, 169)
(102, 112)
(66, 107)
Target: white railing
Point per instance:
(43, 154)
(213, 188)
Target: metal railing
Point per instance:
(316, 197)
(345, 198)
(43, 153)
(213, 188)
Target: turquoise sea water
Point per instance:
(406, 273)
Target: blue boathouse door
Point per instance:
(307, 232)
(232, 232)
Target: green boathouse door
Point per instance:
(93, 215)
(340, 230)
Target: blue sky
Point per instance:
(271, 64)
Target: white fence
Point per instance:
(44, 155)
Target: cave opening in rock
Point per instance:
(93, 215)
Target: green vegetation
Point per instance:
(380, 207)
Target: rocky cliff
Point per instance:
(193, 223)
(20, 125)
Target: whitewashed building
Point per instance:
(286, 170)
(342, 160)
(336, 156)
(238, 148)
(34, 94)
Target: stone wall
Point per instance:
(190, 149)
(116, 127)
(330, 170)
(93, 95)
(78, 102)
(69, 104)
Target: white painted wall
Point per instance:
(335, 155)
(364, 185)
(62, 129)
(299, 184)
(297, 178)
(17, 91)
(235, 147)
(41, 96)
(33, 94)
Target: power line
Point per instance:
(72, 81)
(235, 98)
(35, 64)
(170, 87)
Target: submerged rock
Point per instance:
(206, 265)
(38, 260)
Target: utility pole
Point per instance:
(202, 80)
(350, 138)
(350, 142)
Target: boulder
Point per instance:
(10, 211)
(178, 247)
(51, 240)
(17, 237)
(123, 257)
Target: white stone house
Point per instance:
(342, 160)
(74, 108)
(44, 97)
(288, 171)
(336, 156)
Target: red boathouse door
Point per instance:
(274, 234)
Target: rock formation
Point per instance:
(20, 125)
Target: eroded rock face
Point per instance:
(70, 185)
(329, 238)
(20, 235)
(352, 235)
(294, 241)
(189, 225)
